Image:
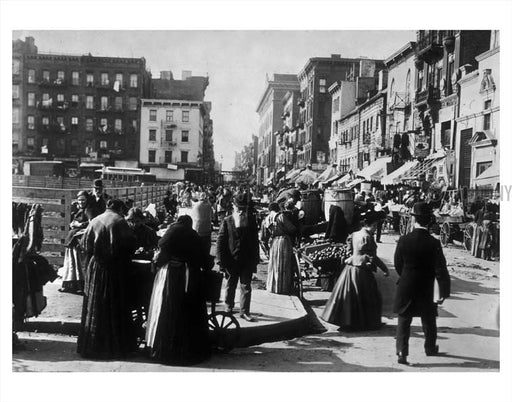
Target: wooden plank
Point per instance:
(43, 201)
(53, 247)
(38, 192)
(53, 236)
(58, 261)
(53, 221)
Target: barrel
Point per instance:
(312, 206)
(342, 198)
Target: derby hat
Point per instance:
(241, 200)
(98, 183)
(421, 209)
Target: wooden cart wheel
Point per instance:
(403, 225)
(469, 232)
(444, 234)
(225, 331)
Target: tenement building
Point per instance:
(270, 111)
(315, 79)
(171, 140)
(73, 108)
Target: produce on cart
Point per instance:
(323, 261)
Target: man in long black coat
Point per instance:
(238, 253)
(419, 261)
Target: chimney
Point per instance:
(166, 75)
(383, 79)
(186, 74)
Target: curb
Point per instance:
(308, 324)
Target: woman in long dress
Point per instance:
(281, 263)
(106, 328)
(356, 302)
(177, 327)
(73, 278)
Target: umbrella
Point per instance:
(307, 177)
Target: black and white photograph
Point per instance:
(209, 200)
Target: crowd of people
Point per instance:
(110, 240)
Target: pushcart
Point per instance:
(224, 327)
(325, 270)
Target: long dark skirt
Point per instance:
(106, 329)
(355, 301)
(177, 328)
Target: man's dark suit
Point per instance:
(238, 254)
(419, 261)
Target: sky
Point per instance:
(237, 63)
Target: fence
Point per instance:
(63, 182)
(57, 210)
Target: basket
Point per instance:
(212, 284)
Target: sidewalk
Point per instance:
(278, 317)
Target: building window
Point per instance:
(133, 103)
(169, 115)
(89, 123)
(168, 156)
(60, 75)
(16, 92)
(104, 79)
(168, 135)
(45, 121)
(184, 156)
(118, 124)
(487, 104)
(75, 78)
(89, 102)
(30, 122)
(152, 115)
(482, 167)
(184, 136)
(134, 125)
(152, 135)
(74, 122)
(32, 76)
(104, 103)
(60, 121)
(15, 66)
(30, 142)
(151, 156)
(322, 85)
(119, 78)
(74, 100)
(15, 115)
(89, 79)
(103, 145)
(119, 103)
(185, 116)
(133, 80)
(487, 121)
(60, 97)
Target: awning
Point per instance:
(337, 177)
(292, 174)
(422, 168)
(396, 175)
(490, 176)
(376, 170)
(307, 176)
(344, 179)
(328, 173)
(355, 182)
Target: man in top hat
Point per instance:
(98, 199)
(419, 261)
(238, 253)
